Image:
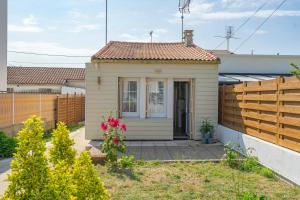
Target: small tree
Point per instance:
(61, 181)
(30, 177)
(87, 183)
(62, 149)
(295, 70)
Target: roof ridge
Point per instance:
(115, 41)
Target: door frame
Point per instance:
(191, 82)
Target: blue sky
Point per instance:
(77, 27)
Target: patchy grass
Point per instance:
(155, 180)
(72, 128)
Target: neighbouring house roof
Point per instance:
(115, 50)
(43, 75)
(232, 78)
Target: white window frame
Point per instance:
(164, 113)
(131, 114)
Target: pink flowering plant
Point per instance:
(113, 133)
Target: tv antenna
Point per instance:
(229, 34)
(184, 8)
(151, 34)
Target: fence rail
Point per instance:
(17, 107)
(269, 110)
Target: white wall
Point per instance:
(257, 64)
(3, 45)
(28, 88)
(281, 160)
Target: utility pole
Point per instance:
(151, 35)
(229, 34)
(184, 7)
(106, 22)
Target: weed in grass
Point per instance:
(266, 172)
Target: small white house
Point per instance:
(46, 80)
(162, 91)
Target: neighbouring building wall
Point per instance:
(257, 64)
(3, 45)
(35, 88)
(103, 98)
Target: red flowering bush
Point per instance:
(113, 135)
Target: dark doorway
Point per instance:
(181, 110)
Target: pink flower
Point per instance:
(104, 126)
(123, 127)
(116, 140)
(113, 122)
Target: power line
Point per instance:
(253, 33)
(244, 23)
(51, 55)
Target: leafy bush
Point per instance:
(252, 196)
(250, 164)
(87, 183)
(232, 156)
(295, 70)
(266, 172)
(113, 134)
(7, 145)
(61, 181)
(62, 149)
(30, 177)
(127, 162)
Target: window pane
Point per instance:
(130, 96)
(156, 96)
(133, 107)
(125, 107)
(132, 86)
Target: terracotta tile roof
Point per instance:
(43, 75)
(152, 51)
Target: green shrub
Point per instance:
(127, 162)
(61, 181)
(7, 145)
(87, 183)
(266, 172)
(62, 149)
(30, 177)
(252, 196)
(232, 156)
(250, 164)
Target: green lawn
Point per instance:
(155, 180)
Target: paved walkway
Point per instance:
(172, 150)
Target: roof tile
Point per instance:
(152, 51)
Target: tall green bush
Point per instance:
(61, 181)
(7, 145)
(30, 174)
(62, 149)
(87, 183)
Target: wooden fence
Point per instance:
(269, 110)
(17, 107)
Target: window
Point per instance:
(130, 98)
(156, 101)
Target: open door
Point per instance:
(182, 115)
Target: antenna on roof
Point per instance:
(151, 34)
(184, 7)
(229, 34)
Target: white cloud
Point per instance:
(47, 48)
(84, 27)
(203, 11)
(76, 14)
(261, 32)
(29, 25)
